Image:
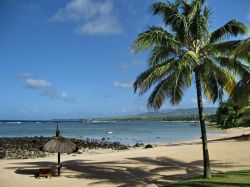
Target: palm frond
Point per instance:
(232, 28)
(154, 74)
(172, 17)
(214, 78)
(159, 95)
(172, 88)
(197, 20)
(207, 12)
(224, 78)
(224, 48)
(209, 82)
(233, 65)
(155, 36)
(189, 58)
(160, 54)
(242, 51)
(210, 87)
(241, 93)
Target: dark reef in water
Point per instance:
(29, 147)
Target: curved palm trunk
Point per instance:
(206, 162)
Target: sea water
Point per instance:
(126, 132)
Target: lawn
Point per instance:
(228, 179)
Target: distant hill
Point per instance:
(180, 112)
(187, 114)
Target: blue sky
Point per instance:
(72, 59)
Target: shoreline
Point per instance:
(91, 146)
(137, 167)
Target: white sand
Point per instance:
(138, 167)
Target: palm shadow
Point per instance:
(128, 172)
(233, 138)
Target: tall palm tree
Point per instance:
(184, 51)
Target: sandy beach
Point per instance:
(134, 167)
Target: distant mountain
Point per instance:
(187, 114)
(180, 112)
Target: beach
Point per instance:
(133, 167)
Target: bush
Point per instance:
(231, 115)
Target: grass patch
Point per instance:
(227, 179)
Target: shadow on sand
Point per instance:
(126, 172)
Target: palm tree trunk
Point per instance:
(206, 162)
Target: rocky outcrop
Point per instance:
(30, 147)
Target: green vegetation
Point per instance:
(231, 115)
(228, 179)
(185, 50)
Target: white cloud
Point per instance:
(47, 89)
(38, 83)
(125, 84)
(53, 94)
(77, 10)
(66, 97)
(50, 93)
(94, 17)
(104, 25)
(25, 75)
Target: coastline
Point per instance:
(127, 133)
(28, 147)
(132, 167)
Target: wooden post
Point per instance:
(58, 167)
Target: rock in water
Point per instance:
(2, 154)
(31, 147)
(148, 146)
(138, 145)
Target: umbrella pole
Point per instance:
(59, 167)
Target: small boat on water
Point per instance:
(109, 132)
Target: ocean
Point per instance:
(125, 132)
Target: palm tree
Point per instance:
(241, 93)
(184, 50)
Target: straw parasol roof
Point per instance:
(59, 145)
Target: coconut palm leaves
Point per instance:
(242, 50)
(233, 28)
(241, 93)
(187, 47)
(184, 50)
(155, 36)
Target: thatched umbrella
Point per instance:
(59, 145)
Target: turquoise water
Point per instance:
(129, 132)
